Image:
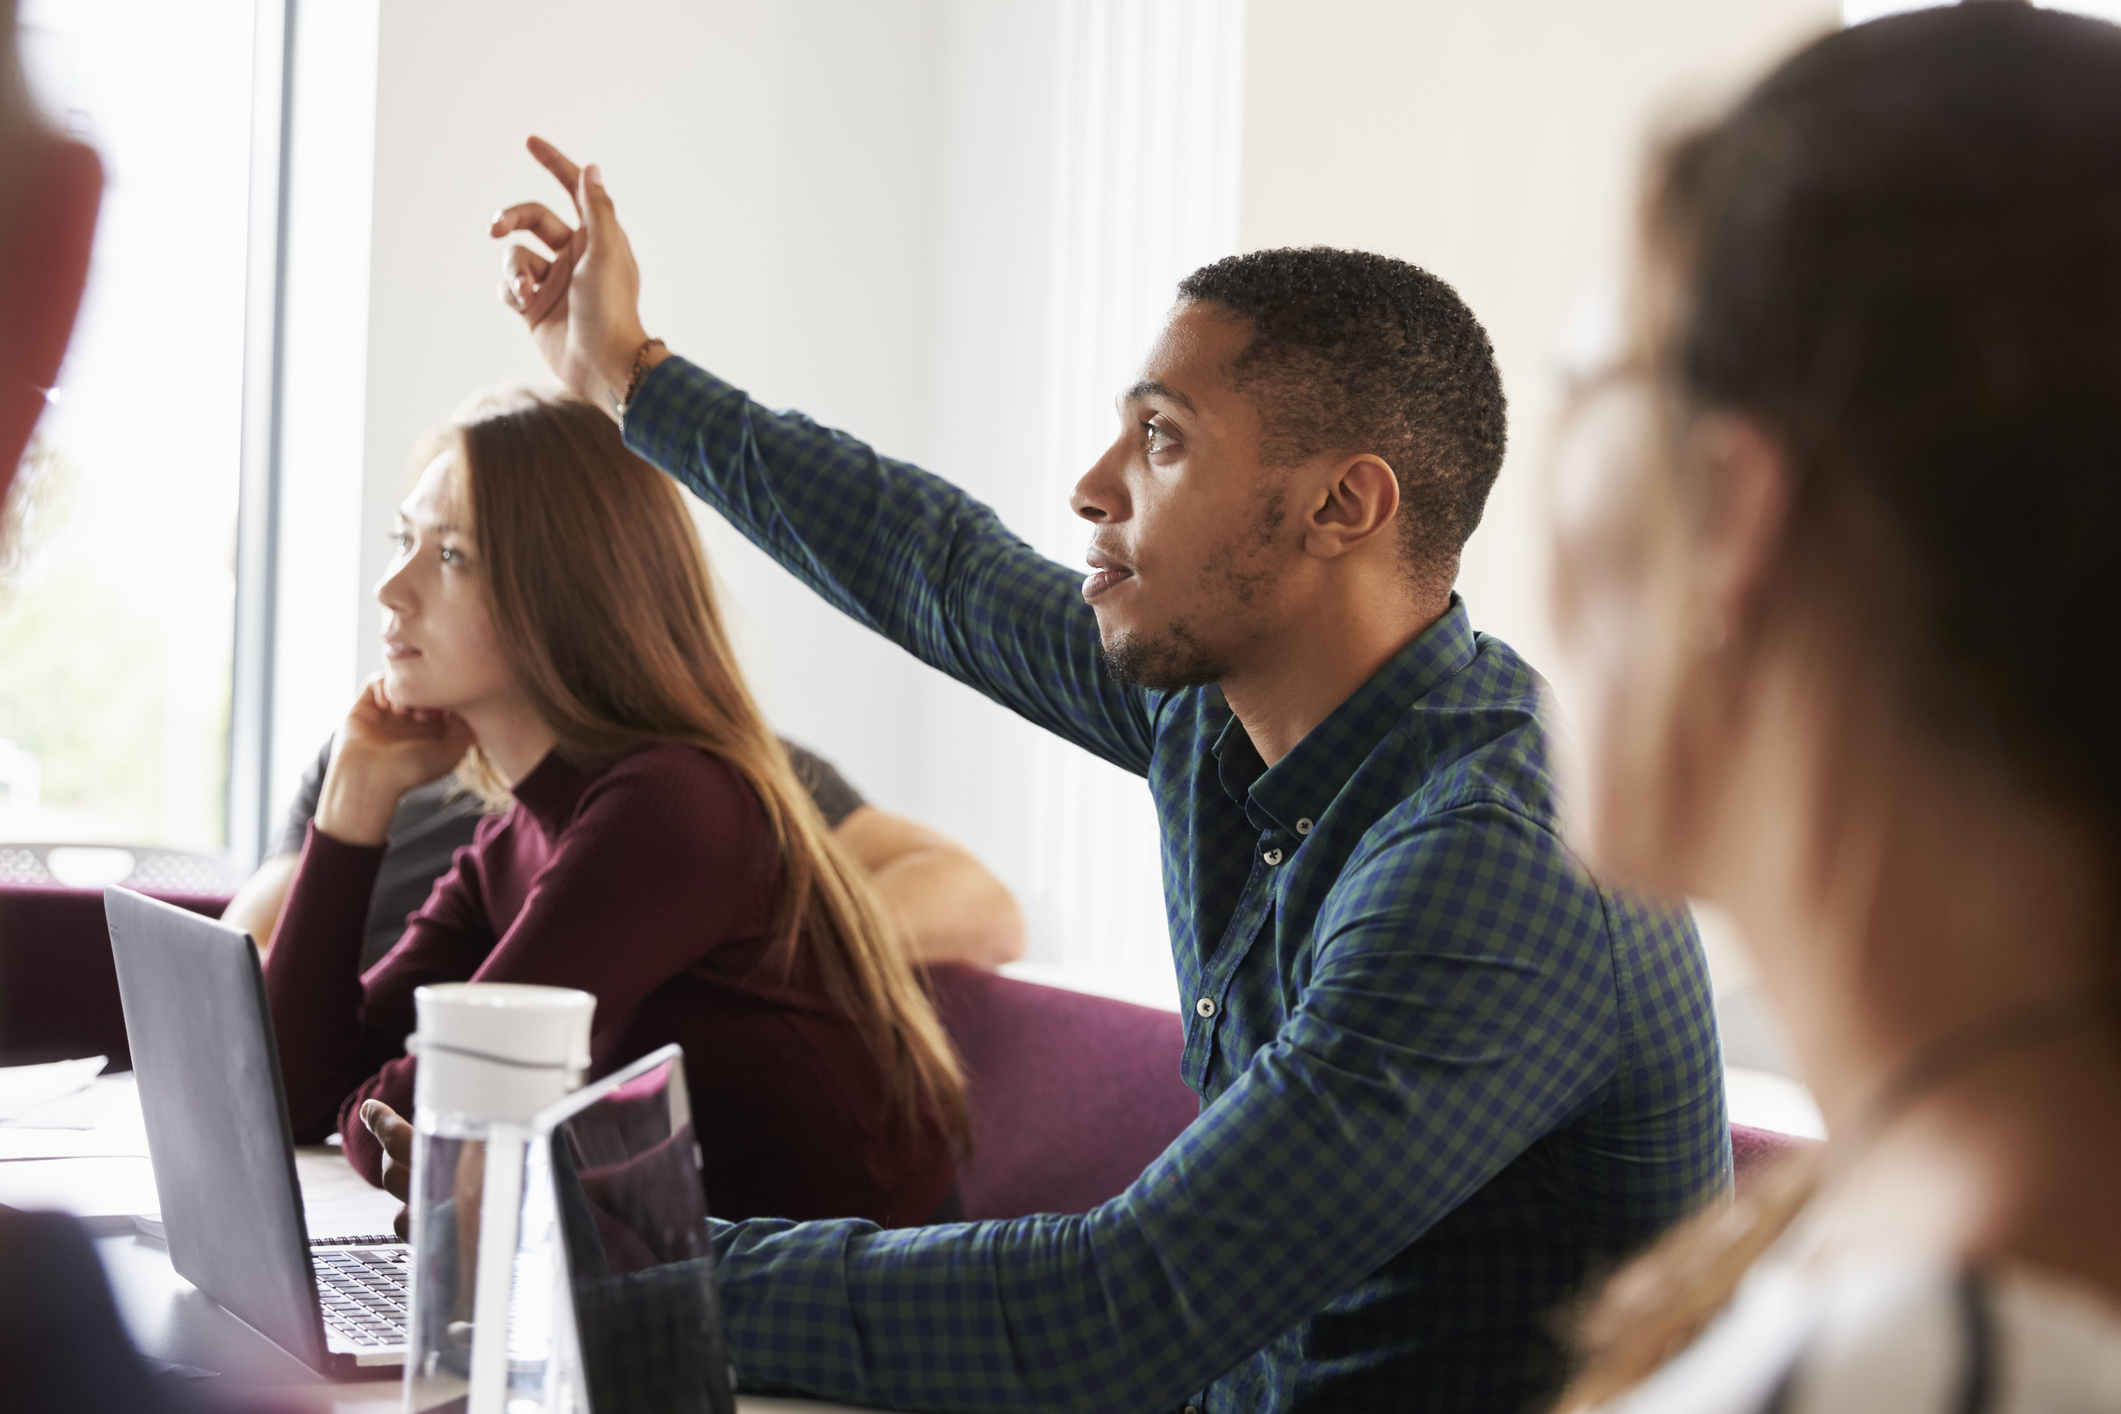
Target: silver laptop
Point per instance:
(223, 1152)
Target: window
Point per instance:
(117, 588)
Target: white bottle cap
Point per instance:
(498, 1050)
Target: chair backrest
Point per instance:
(1071, 1095)
(58, 987)
(142, 868)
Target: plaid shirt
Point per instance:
(1443, 1075)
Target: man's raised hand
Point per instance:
(581, 304)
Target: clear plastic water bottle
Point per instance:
(486, 1269)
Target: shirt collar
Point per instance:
(551, 789)
(1303, 783)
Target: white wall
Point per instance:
(773, 163)
(848, 206)
(1496, 145)
(840, 205)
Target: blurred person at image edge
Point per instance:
(62, 1346)
(1837, 589)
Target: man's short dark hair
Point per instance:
(1357, 352)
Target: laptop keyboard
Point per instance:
(364, 1289)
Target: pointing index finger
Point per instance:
(555, 161)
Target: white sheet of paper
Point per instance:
(87, 1188)
(336, 1201)
(115, 1131)
(24, 1087)
(86, 1108)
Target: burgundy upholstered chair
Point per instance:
(1755, 1151)
(1071, 1095)
(58, 989)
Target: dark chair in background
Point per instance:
(58, 988)
(149, 869)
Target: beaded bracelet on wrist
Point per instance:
(633, 382)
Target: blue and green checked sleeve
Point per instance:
(897, 549)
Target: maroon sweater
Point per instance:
(646, 882)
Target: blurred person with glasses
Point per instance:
(1837, 595)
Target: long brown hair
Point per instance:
(605, 608)
(1900, 256)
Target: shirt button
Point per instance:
(1272, 856)
(1205, 1007)
(1303, 826)
(1193, 1409)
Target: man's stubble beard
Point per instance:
(1164, 662)
(1236, 574)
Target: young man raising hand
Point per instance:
(1443, 1075)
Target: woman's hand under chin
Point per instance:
(382, 752)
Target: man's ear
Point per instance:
(1357, 502)
(44, 249)
(1747, 512)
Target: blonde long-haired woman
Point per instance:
(550, 632)
(1839, 590)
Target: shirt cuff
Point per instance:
(673, 397)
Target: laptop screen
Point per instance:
(639, 1266)
(217, 1130)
